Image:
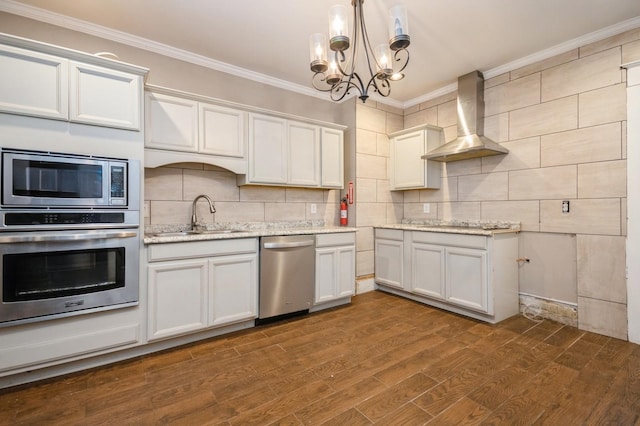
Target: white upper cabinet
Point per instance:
(33, 83)
(268, 156)
(332, 159)
(303, 161)
(78, 87)
(285, 152)
(181, 127)
(222, 130)
(171, 123)
(105, 97)
(408, 169)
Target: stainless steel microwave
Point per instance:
(56, 180)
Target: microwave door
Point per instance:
(46, 181)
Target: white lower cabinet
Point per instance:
(178, 296)
(389, 257)
(335, 267)
(474, 275)
(197, 285)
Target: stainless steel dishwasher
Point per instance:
(287, 275)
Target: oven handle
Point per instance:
(54, 238)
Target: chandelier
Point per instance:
(338, 76)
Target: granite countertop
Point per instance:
(456, 227)
(158, 234)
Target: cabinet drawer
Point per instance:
(389, 234)
(447, 239)
(340, 239)
(191, 249)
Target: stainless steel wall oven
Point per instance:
(69, 235)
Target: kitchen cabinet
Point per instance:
(335, 267)
(41, 84)
(191, 128)
(389, 257)
(332, 158)
(33, 346)
(202, 284)
(408, 170)
(104, 97)
(286, 152)
(474, 275)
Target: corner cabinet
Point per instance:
(197, 285)
(473, 275)
(51, 82)
(408, 169)
(335, 268)
(191, 128)
(286, 152)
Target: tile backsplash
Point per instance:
(169, 192)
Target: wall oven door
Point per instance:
(50, 274)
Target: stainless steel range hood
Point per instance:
(470, 143)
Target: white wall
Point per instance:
(633, 202)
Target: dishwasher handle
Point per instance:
(289, 245)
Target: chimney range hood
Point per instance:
(470, 143)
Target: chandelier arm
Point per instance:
(397, 58)
(368, 50)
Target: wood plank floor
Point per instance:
(382, 360)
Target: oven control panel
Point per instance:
(62, 218)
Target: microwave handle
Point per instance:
(54, 237)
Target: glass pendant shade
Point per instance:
(383, 57)
(398, 28)
(318, 52)
(334, 75)
(338, 28)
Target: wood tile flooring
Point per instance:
(382, 360)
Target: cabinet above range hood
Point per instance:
(470, 143)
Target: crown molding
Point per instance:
(74, 24)
(27, 11)
(558, 49)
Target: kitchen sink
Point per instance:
(186, 233)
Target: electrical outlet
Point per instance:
(565, 206)
(426, 207)
(314, 209)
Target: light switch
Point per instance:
(314, 209)
(426, 207)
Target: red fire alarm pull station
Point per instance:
(350, 193)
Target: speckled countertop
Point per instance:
(456, 227)
(158, 234)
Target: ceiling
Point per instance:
(268, 39)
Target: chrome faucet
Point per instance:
(194, 212)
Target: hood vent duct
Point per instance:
(470, 143)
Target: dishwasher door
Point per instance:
(287, 274)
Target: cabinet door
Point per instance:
(346, 271)
(104, 97)
(389, 262)
(326, 277)
(332, 158)
(267, 149)
(466, 277)
(303, 154)
(428, 270)
(171, 123)
(335, 273)
(33, 83)
(222, 131)
(234, 288)
(407, 168)
(177, 298)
